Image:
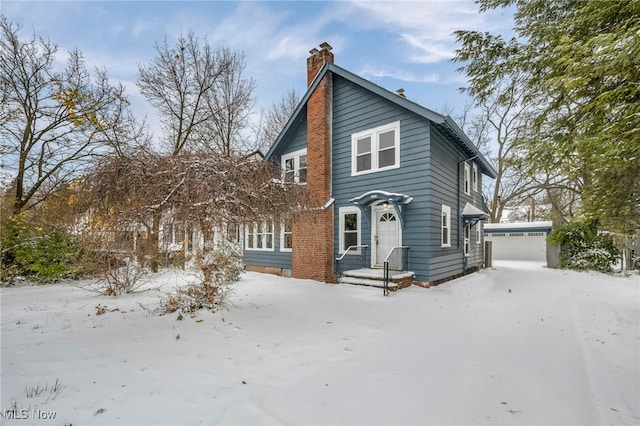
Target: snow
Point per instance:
(519, 225)
(516, 344)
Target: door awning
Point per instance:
(471, 214)
(376, 197)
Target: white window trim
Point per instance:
(466, 181)
(447, 210)
(375, 149)
(296, 164)
(467, 240)
(474, 177)
(282, 247)
(342, 211)
(255, 237)
(478, 233)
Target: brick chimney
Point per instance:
(313, 239)
(317, 59)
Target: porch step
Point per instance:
(375, 278)
(367, 282)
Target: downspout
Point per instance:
(461, 235)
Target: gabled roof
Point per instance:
(444, 122)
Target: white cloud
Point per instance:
(402, 75)
(425, 27)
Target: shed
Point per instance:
(518, 240)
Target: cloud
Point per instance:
(402, 75)
(425, 28)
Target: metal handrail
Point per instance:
(347, 251)
(385, 282)
(357, 258)
(386, 259)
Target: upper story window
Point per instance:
(474, 176)
(467, 179)
(294, 166)
(446, 226)
(376, 149)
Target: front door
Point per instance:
(386, 234)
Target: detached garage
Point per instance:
(519, 240)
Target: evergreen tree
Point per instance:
(579, 63)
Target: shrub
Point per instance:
(217, 269)
(126, 277)
(584, 247)
(44, 254)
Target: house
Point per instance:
(518, 240)
(387, 176)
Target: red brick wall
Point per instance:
(315, 63)
(312, 251)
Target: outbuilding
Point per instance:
(518, 240)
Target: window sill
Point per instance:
(368, 172)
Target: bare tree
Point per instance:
(53, 121)
(276, 117)
(498, 130)
(230, 102)
(202, 98)
(205, 191)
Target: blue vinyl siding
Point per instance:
(297, 137)
(430, 171)
(446, 185)
(355, 110)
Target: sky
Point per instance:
(396, 45)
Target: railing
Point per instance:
(396, 260)
(354, 257)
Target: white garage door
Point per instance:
(518, 245)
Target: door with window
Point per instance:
(386, 234)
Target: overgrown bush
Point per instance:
(584, 247)
(222, 265)
(217, 269)
(40, 253)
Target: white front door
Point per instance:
(386, 233)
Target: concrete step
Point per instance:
(375, 278)
(367, 282)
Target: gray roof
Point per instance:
(444, 122)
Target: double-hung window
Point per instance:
(349, 227)
(259, 236)
(474, 176)
(446, 226)
(467, 239)
(478, 234)
(286, 235)
(375, 149)
(467, 179)
(294, 166)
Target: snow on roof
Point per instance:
(472, 211)
(542, 225)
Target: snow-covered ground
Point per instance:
(517, 344)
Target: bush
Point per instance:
(217, 269)
(584, 247)
(44, 254)
(222, 265)
(124, 278)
